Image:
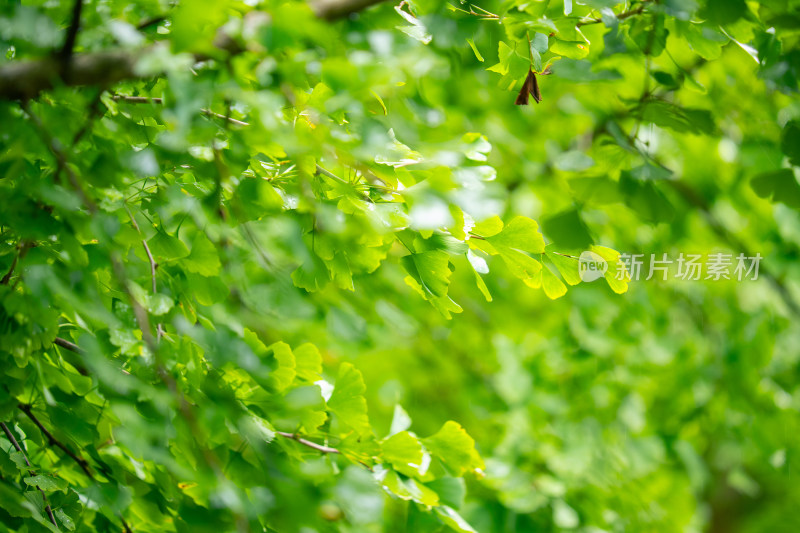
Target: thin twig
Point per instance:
(156, 100)
(304, 442)
(153, 267)
(483, 15)
(55, 442)
(223, 117)
(61, 159)
(334, 177)
(72, 347)
(31, 473)
(136, 99)
(24, 246)
(146, 23)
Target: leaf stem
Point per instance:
(31, 473)
(27, 409)
(305, 442)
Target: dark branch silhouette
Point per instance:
(10, 436)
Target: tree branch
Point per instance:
(61, 158)
(55, 442)
(146, 100)
(72, 36)
(24, 246)
(153, 267)
(20, 80)
(337, 9)
(304, 442)
(31, 473)
(72, 347)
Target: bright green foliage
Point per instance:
(269, 267)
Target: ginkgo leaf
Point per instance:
(455, 448)
(430, 269)
(521, 233)
(347, 401)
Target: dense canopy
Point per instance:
(271, 265)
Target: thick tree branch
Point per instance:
(55, 442)
(72, 35)
(21, 80)
(336, 9)
(26, 79)
(10, 436)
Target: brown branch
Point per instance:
(304, 442)
(125, 527)
(23, 250)
(61, 158)
(20, 80)
(146, 23)
(72, 347)
(72, 36)
(31, 473)
(337, 9)
(210, 113)
(55, 442)
(153, 267)
(146, 100)
(136, 99)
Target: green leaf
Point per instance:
(19, 460)
(65, 520)
(682, 120)
(489, 227)
(478, 55)
(521, 233)
(721, 12)
(403, 451)
(568, 230)
(47, 483)
(455, 448)
(778, 186)
(308, 362)
(203, 258)
(790, 141)
(430, 269)
(553, 287)
(482, 287)
(521, 265)
(617, 275)
(570, 49)
(456, 522)
(567, 266)
(451, 490)
(166, 247)
(400, 420)
(347, 401)
(284, 374)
